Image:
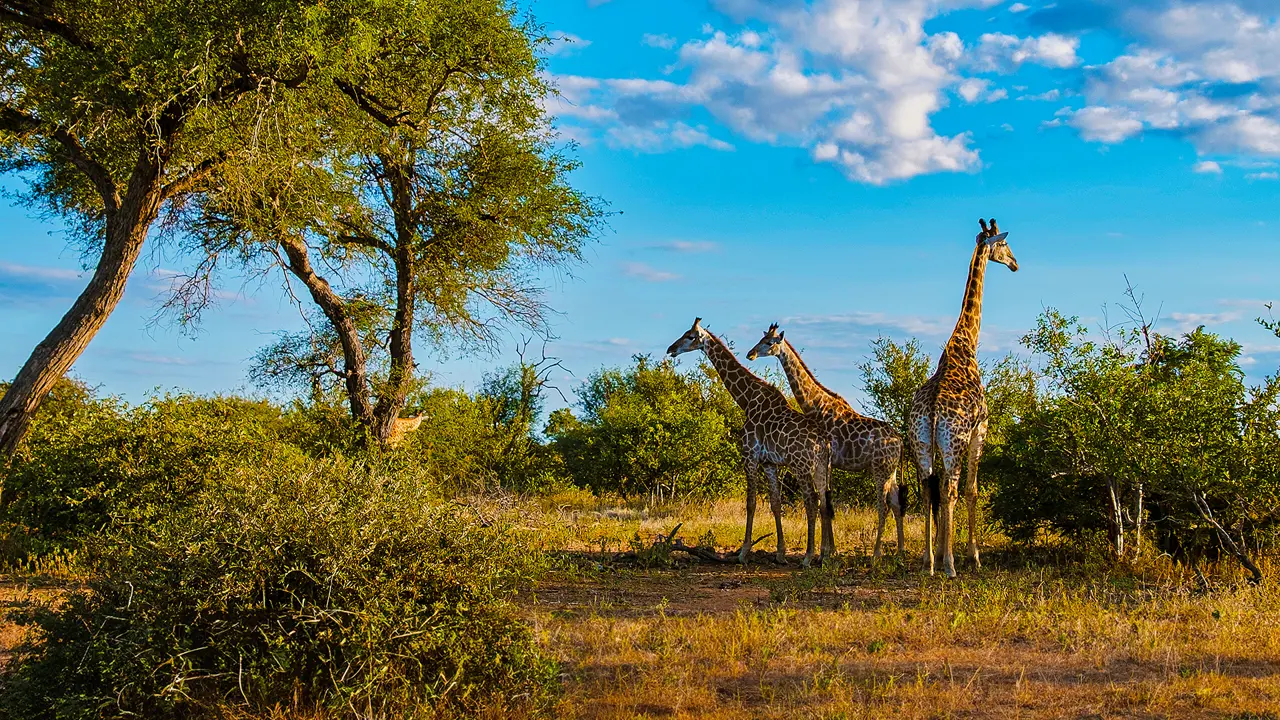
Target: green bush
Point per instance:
(651, 430)
(92, 462)
(324, 587)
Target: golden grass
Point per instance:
(856, 641)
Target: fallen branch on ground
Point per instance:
(670, 543)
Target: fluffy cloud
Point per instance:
(857, 83)
(1208, 166)
(647, 273)
(1207, 71)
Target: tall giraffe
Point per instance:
(774, 434)
(948, 418)
(858, 442)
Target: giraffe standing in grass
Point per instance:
(948, 418)
(858, 442)
(774, 434)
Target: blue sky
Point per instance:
(823, 165)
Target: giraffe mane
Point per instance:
(765, 385)
(814, 378)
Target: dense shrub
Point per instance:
(89, 462)
(651, 430)
(314, 586)
(1143, 428)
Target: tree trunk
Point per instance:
(354, 358)
(1115, 519)
(1137, 520)
(126, 231)
(400, 373)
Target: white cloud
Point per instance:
(666, 42)
(971, 88)
(1046, 96)
(662, 137)
(1208, 71)
(647, 272)
(1208, 166)
(32, 272)
(1262, 176)
(1186, 322)
(688, 246)
(1105, 124)
(998, 52)
(1019, 7)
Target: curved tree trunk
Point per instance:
(126, 232)
(354, 357)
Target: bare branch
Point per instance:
(39, 16)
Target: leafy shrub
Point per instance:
(89, 462)
(651, 430)
(336, 588)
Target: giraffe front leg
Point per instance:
(971, 489)
(883, 509)
(946, 522)
(884, 483)
(811, 515)
(775, 504)
(828, 526)
(753, 472)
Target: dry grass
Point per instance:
(1050, 635)
(1011, 640)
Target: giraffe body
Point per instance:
(858, 442)
(948, 418)
(774, 435)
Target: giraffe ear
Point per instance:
(782, 334)
(997, 238)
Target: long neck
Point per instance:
(964, 339)
(810, 393)
(744, 387)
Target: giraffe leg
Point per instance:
(828, 525)
(775, 504)
(921, 440)
(893, 494)
(971, 488)
(950, 482)
(811, 514)
(753, 472)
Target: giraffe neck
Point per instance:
(963, 345)
(811, 394)
(746, 389)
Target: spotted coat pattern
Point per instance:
(858, 443)
(948, 417)
(774, 435)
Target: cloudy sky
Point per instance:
(822, 165)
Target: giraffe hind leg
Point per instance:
(775, 504)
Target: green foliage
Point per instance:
(649, 429)
(890, 379)
(322, 586)
(1147, 417)
(89, 463)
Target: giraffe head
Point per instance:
(770, 344)
(997, 246)
(694, 339)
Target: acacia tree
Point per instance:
(433, 190)
(112, 111)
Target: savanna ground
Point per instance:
(1045, 633)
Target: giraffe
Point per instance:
(948, 417)
(401, 427)
(773, 434)
(858, 442)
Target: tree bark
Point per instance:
(126, 231)
(401, 370)
(354, 357)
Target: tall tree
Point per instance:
(433, 190)
(111, 112)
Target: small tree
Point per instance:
(432, 189)
(890, 379)
(651, 430)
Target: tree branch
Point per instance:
(1225, 538)
(36, 16)
(92, 169)
(187, 183)
(377, 110)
